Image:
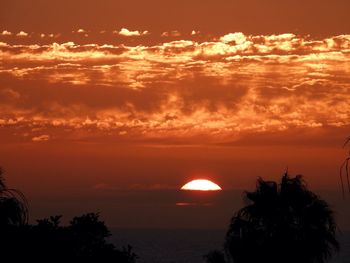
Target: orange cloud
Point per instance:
(6, 33)
(194, 32)
(22, 34)
(238, 38)
(41, 138)
(174, 33)
(128, 33)
(215, 89)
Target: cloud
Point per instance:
(212, 90)
(6, 33)
(174, 33)
(192, 204)
(104, 187)
(128, 33)
(9, 94)
(238, 38)
(41, 138)
(149, 187)
(135, 187)
(81, 31)
(22, 34)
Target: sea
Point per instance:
(189, 245)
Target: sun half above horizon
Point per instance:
(201, 185)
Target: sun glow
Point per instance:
(201, 185)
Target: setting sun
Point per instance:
(201, 185)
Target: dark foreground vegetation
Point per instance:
(281, 222)
(83, 240)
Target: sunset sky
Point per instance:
(114, 105)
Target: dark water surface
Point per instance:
(188, 245)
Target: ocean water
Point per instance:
(188, 245)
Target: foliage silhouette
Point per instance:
(282, 223)
(345, 168)
(215, 256)
(84, 239)
(13, 205)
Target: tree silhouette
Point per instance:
(215, 256)
(13, 205)
(282, 223)
(84, 239)
(345, 168)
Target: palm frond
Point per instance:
(18, 212)
(280, 219)
(347, 141)
(345, 168)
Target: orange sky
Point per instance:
(146, 95)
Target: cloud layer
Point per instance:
(218, 88)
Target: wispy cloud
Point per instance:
(6, 33)
(173, 33)
(238, 38)
(216, 89)
(126, 32)
(194, 32)
(41, 138)
(22, 34)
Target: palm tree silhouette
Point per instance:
(345, 167)
(215, 256)
(282, 223)
(13, 205)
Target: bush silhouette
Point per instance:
(282, 223)
(84, 239)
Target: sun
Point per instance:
(201, 185)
